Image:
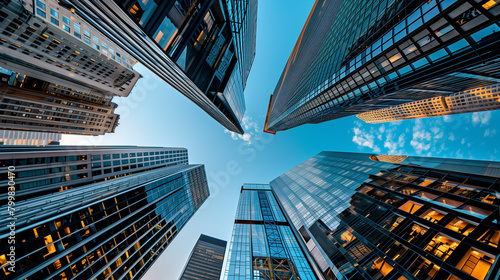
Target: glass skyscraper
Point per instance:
(263, 244)
(110, 228)
(358, 56)
(206, 259)
(47, 169)
(204, 49)
(377, 217)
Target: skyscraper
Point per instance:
(204, 49)
(58, 73)
(480, 99)
(107, 229)
(365, 216)
(205, 261)
(45, 40)
(357, 56)
(42, 170)
(13, 137)
(31, 104)
(263, 244)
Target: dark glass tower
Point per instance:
(380, 217)
(204, 49)
(205, 261)
(114, 228)
(264, 245)
(357, 56)
(47, 169)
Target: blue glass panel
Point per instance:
(438, 55)
(485, 32)
(458, 45)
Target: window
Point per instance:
(54, 21)
(96, 46)
(86, 33)
(104, 45)
(76, 27)
(54, 13)
(77, 35)
(65, 27)
(442, 246)
(65, 20)
(111, 50)
(41, 13)
(95, 39)
(476, 263)
(40, 4)
(86, 40)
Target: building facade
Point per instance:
(204, 49)
(44, 39)
(206, 259)
(263, 244)
(114, 229)
(475, 100)
(43, 170)
(358, 56)
(13, 137)
(365, 216)
(31, 104)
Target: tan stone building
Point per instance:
(475, 100)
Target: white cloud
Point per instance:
(481, 117)
(437, 133)
(381, 130)
(420, 137)
(463, 141)
(487, 132)
(395, 146)
(251, 128)
(364, 139)
(451, 136)
(447, 118)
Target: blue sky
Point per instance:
(156, 115)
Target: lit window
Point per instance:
(442, 246)
(461, 226)
(488, 5)
(476, 263)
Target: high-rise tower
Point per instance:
(366, 216)
(204, 49)
(206, 259)
(263, 244)
(110, 228)
(357, 56)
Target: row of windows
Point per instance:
(103, 47)
(138, 154)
